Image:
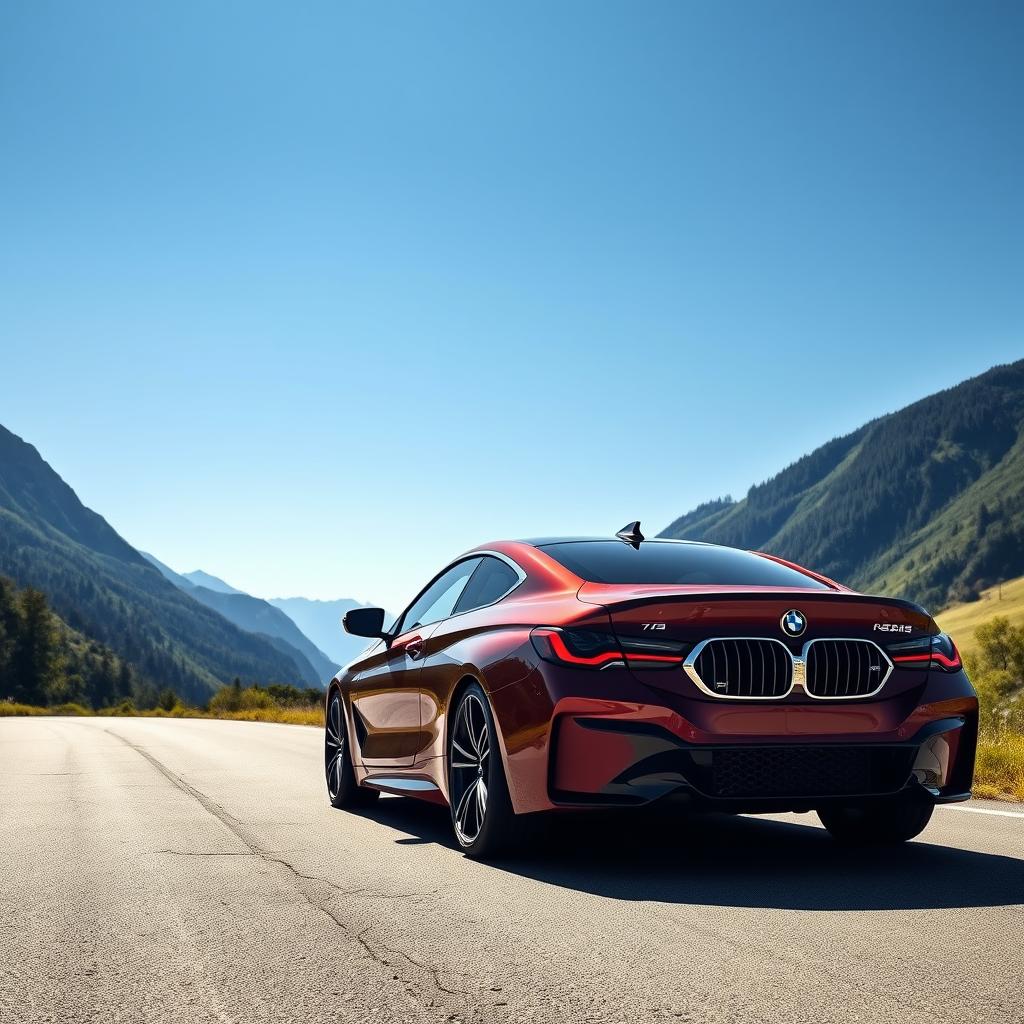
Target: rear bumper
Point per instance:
(567, 748)
(613, 761)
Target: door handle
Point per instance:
(414, 648)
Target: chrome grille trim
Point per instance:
(842, 654)
(731, 651)
(799, 668)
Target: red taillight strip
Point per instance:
(934, 656)
(564, 654)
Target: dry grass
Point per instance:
(1000, 767)
(9, 710)
(962, 620)
(289, 716)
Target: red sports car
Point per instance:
(539, 675)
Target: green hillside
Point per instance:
(925, 503)
(101, 587)
(962, 621)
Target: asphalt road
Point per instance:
(193, 871)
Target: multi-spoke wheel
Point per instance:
(342, 787)
(481, 810)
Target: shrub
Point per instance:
(123, 709)
(70, 708)
(234, 698)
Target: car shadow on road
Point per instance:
(720, 860)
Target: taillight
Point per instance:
(587, 648)
(938, 652)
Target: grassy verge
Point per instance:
(999, 773)
(11, 710)
(289, 716)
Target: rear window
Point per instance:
(601, 561)
(493, 579)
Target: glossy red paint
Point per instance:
(575, 734)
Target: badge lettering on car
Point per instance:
(892, 627)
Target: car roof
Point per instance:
(544, 541)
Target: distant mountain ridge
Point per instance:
(204, 579)
(256, 616)
(104, 589)
(321, 622)
(925, 503)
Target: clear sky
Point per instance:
(316, 295)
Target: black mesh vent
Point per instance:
(808, 771)
(744, 668)
(844, 668)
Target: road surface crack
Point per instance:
(433, 971)
(237, 829)
(203, 853)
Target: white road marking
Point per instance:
(982, 810)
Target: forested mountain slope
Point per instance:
(104, 589)
(927, 502)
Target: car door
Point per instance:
(385, 692)
(442, 661)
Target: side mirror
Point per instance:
(364, 622)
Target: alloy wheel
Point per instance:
(471, 748)
(334, 747)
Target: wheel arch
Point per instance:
(469, 677)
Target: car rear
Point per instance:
(744, 683)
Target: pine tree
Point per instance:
(125, 680)
(167, 700)
(37, 662)
(8, 636)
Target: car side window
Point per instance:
(438, 600)
(492, 579)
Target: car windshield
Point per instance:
(682, 564)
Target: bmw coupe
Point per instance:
(577, 673)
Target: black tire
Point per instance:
(878, 822)
(342, 788)
(481, 810)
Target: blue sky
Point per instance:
(316, 295)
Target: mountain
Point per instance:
(256, 616)
(204, 579)
(321, 622)
(103, 588)
(925, 503)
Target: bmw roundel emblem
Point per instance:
(793, 623)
